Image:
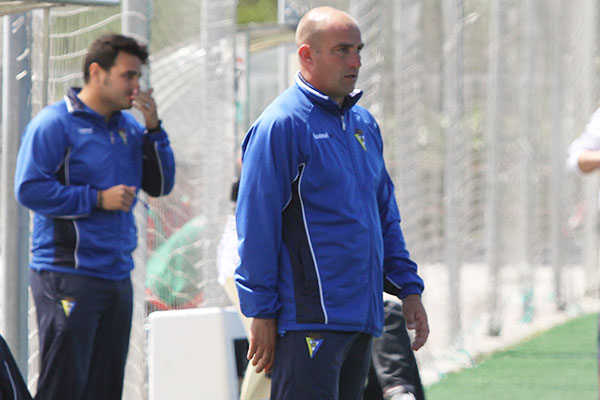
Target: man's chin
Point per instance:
(349, 89)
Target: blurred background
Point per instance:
(477, 101)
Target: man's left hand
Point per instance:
(416, 318)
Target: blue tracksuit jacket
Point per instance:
(318, 225)
(69, 152)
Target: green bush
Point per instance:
(256, 11)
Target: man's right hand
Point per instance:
(263, 335)
(116, 198)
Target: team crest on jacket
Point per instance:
(123, 135)
(313, 345)
(360, 136)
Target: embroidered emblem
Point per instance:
(68, 304)
(360, 136)
(313, 345)
(123, 135)
(85, 131)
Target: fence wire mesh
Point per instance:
(477, 102)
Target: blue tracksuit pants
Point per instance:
(84, 325)
(320, 365)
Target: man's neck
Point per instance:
(303, 76)
(88, 96)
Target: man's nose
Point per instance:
(355, 60)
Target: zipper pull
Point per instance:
(112, 137)
(343, 123)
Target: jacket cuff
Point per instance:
(156, 129)
(256, 304)
(94, 199)
(410, 289)
(156, 136)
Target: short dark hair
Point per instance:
(105, 49)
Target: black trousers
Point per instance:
(12, 384)
(393, 363)
(84, 325)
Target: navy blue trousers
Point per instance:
(320, 365)
(84, 325)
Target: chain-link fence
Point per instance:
(478, 102)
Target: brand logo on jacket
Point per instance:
(360, 136)
(85, 131)
(318, 136)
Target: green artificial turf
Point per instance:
(560, 363)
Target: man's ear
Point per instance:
(305, 54)
(95, 71)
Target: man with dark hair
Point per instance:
(81, 164)
(318, 225)
(104, 52)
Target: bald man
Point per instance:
(318, 225)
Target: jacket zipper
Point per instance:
(366, 211)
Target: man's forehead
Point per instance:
(348, 33)
(127, 58)
(128, 61)
(346, 40)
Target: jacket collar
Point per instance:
(74, 105)
(73, 102)
(325, 101)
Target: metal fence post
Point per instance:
(135, 22)
(453, 114)
(14, 219)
